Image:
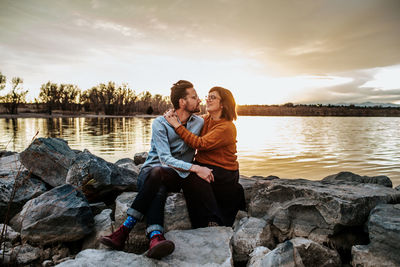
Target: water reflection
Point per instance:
(290, 147)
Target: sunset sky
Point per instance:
(264, 51)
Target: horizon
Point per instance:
(266, 53)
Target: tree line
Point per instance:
(112, 99)
(104, 98)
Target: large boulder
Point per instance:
(59, 215)
(97, 178)
(15, 190)
(351, 177)
(299, 252)
(49, 159)
(384, 234)
(316, 210)
(111, 258)
(208, 246)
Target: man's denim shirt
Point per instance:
(168, 149)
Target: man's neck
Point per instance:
(183, 115)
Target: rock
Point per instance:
(98, 178)
(176, 216)
(93, 257)
(129, 164)
(5, 153)
(9, 233)
(316, 210)
(11, 164)
(98, 207)
(59, 215)
(201, 247)
(256, 256)
(24, 254)
(249, 234)
(247, 184)
(140, 158)
(300, 252)
(351, 177)
(47, 263)
(25, 188)
(384, 234)
(102, 227)
(397, 188)
(48, 158)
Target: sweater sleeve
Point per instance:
(221, 135)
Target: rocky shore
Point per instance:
(55, 202)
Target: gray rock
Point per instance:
(176, 216)
(97, 178)
(140, 158)
(249, 234)
(9, 233)
(98, 207)
(23, 254)
(49, 159)
(201, 247)
(5, 153)
(300, 252)
(102, 227)
(256, 256)
(96, 258)
(59, 215)
(397, 188)
(25, 189)
(129, 164)
(384, 234)
(247, 184)
(351, 177)
(11, 164)
(317, 210)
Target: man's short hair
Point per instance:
(178, 91)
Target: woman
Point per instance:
(213, 201)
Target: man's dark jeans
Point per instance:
(154, 183)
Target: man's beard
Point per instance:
(194, 110)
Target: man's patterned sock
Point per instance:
(130, 222)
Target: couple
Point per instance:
(210, 183)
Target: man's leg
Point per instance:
(170, 182)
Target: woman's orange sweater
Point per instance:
(216, 144)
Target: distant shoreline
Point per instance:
(60, 115)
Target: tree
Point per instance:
(15, 97)
(49, 94)
(3, 81)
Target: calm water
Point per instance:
(288, 147)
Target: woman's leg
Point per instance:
(200, 200)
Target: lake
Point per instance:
(288, 147)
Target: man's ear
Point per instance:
(182, 103)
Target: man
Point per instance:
(169, 161)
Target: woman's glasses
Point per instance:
(211, 97)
